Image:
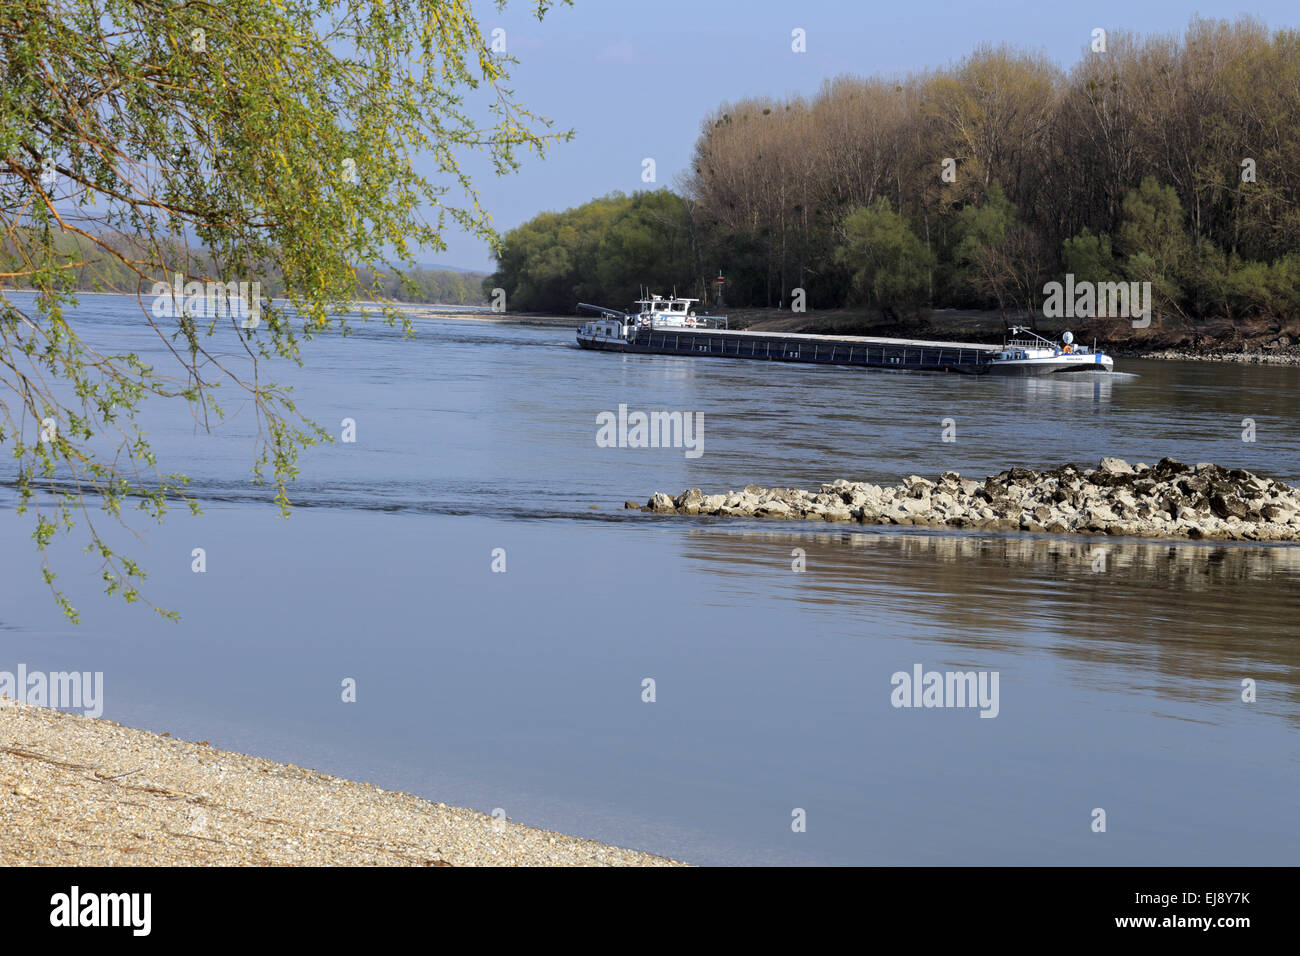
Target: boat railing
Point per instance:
(658, 322)
(1032, 344)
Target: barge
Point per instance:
(671, 326)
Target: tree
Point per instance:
(1154, 241)
(889, 264)
(646, 243)
(1089, 258)
(995, 254)
(280, 139)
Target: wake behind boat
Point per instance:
(671, 326)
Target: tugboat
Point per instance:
(614, 328)
(670, 326)
(1036, 355)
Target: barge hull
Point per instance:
(889, 354)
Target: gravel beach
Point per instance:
(77, 791)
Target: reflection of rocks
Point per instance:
(1169, 500)
(1138, 563)
(1184, 620)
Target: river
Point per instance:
(1119, 663)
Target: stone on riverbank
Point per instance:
(1168, 499)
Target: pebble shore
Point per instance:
(77, 791)
(1166, 500)
(1239, 358)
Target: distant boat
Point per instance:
(671, 326)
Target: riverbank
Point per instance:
(1167, 500)
(1251, 341)
(477, 314)
(78, 791)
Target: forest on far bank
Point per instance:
(1168, 159)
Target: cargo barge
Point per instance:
(670, 326)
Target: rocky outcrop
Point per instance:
(1169, 499)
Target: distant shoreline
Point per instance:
(1255, 344)
(978, 329)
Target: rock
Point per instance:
(942, 501)
(1227, 506)
(1099, 511)
(914, 506)
(1256, 483)
(1171, 498)
(688, 502)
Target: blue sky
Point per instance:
(635, 79)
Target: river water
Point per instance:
(1119, 663)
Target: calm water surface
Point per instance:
(1119, 688)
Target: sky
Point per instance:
(635, 79)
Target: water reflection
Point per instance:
(1191, 619)
(1067, 388)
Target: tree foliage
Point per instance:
(1168, 158)
(603, 252)
(890, 267)
(279, 140)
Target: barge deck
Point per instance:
(671, 327)
(885, 353)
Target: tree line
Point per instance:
(1162, 159)
(93, 269)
